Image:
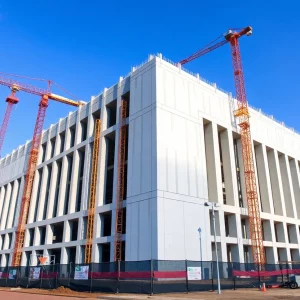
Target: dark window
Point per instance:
(16, 205)
(31, 236)
(42, 235)
(72, 136)
(62, 142)
(111, 113)
(71, 254)
(80, 180)
(47, 192)
(109, 186)
(9, 240)
(38, 196)
(44, 152)
(83, 124)
(9, 204)
(106, 223)
(57, 188)
(70, 165)
(104, 252)
(52, 142)
(238, 173)
(74, 229)
(57, 230)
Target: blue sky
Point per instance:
(86, 45)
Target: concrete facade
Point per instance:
(184, 149)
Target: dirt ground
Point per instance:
(66, 294)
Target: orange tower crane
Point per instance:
(16, 86)
(93, 190)
(34, 151)
(121, 182)
(242, 113)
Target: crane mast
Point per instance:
(242, 114)
(31, 168)
(11, 100)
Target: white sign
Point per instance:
(34, 273)
(194, 273)
(81, 273)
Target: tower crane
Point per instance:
(242, 113)
(11, 100)
(45, 95)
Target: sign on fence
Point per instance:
(12, 274)
(34, 273)
(81, 273)
(194, 273)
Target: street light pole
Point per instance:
(201, 262)
(213, 205)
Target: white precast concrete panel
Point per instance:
(140, 207)
(174, 237)
(195, 218)
(147, 151)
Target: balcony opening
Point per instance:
(238, 173)
(52, 146)
(9, 240)
(38, 195)
(55, 255)
(72, 136)
(62, 142)
(42, 235)
(47, 192)
(110, 160)
(31, 236)
(222, 169)
(104, 252)
(71, 252)
(83, 125)
(279, 232)
(58, 230)
(43, 152)
(80, 179)
(69, 176)
(106, 223)
(74, 229)
(57, 188)
(111, 109)
(247, 256)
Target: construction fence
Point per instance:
(148, 277)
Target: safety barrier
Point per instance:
(148, 277)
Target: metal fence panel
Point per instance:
(147, 277)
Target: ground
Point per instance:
(66, 294)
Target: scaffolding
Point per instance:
(93, 191)
(121, 182)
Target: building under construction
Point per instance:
(181, 147)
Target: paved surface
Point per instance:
(242, 294)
